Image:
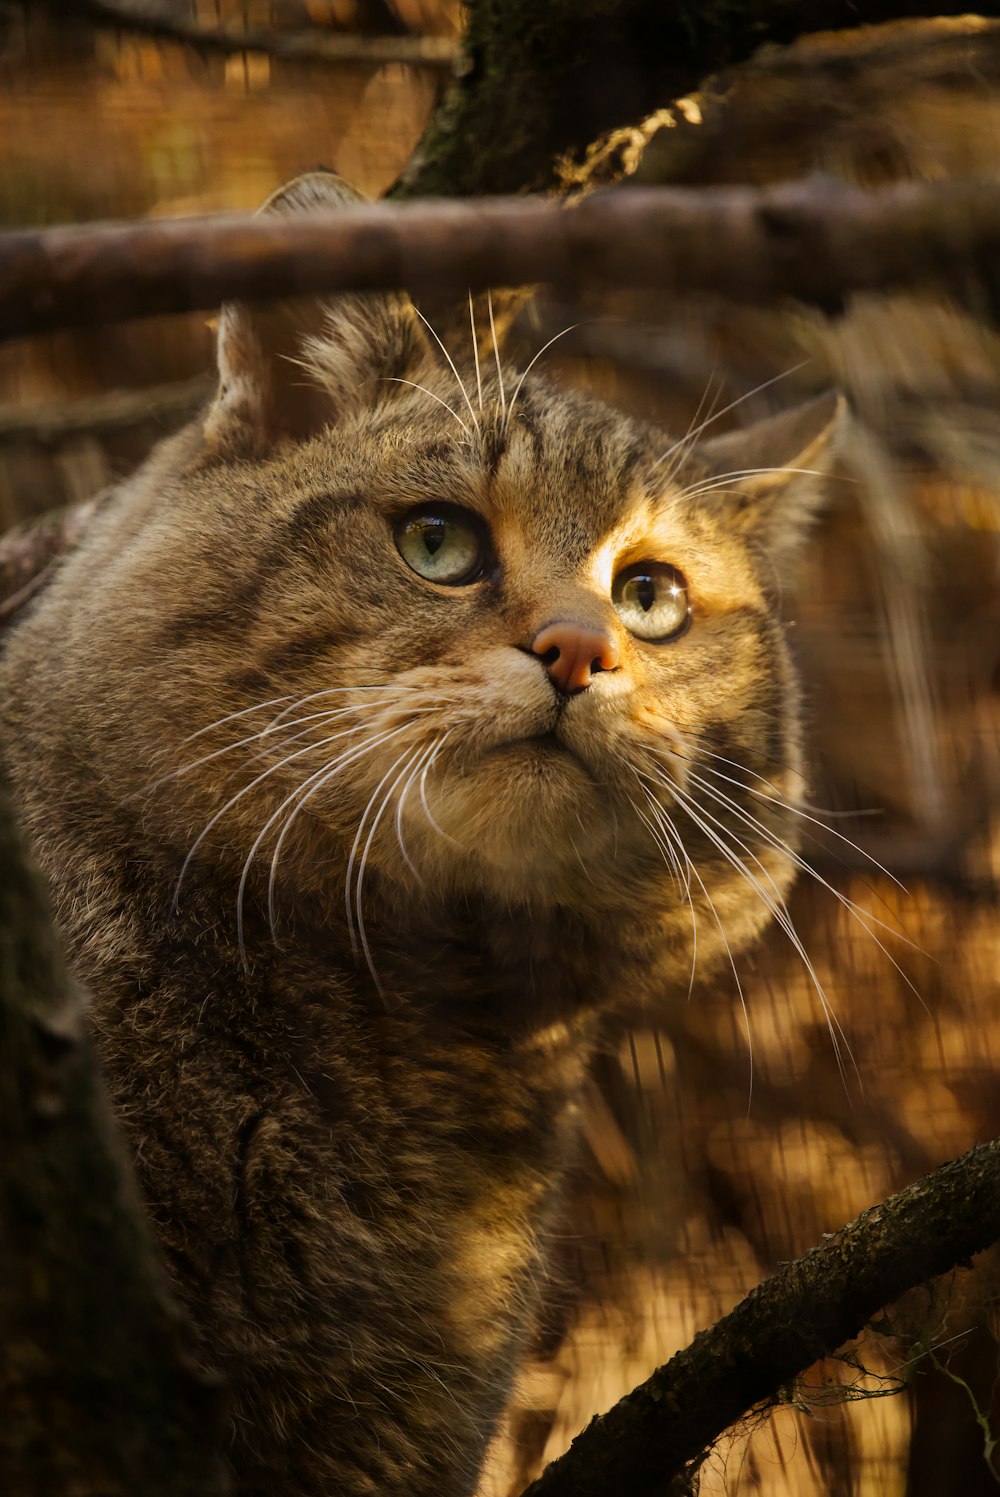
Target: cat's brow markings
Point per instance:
(311, 516)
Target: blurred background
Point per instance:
(702, 1170)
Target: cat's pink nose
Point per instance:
(571, 654)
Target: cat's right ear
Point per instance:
(289, 368)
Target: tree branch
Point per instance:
(816, 240)
(163, 20)
(99, 1389)
(663, 1428)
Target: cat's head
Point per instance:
(465, 630)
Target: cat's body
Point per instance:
(352, 946)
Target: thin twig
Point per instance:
(800, 1314)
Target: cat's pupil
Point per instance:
(645, 589)
(433, 537)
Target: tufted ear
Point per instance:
(288, 368)
(770, 476)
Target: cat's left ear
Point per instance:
(771, 476)
(290, 367)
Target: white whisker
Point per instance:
(423, 797)
(690, 435)
(395, 380)
(231, 717)
(451, 365)
(475, 354)
(316, 781)
(534, 361)
(398, 688)
(863, 917)
(272, 769)
(682, 446)
(774, 904)
(260, 738)
(665, 836)
(721, 480)
(729, 954)
(362, 936)
(774, 799)
(496, 355)
(399, 812)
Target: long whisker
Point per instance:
(775, 800)
(399, 812)
(774, 904)
(279, 723)
(316, 781)
(691, 436)
(790, 768)
(544, 348)
(337, 766)
(354, 850)
(396, 687)
(451, 364)
(283, 743)
(362, 936)
(423, 796)
(395, 380)
(665, 840)
(272, 769)
(496, 355)
(665, 836)
(232, 716)
(268, 732)
(729, 954)
(863, 917)
(721, 480)
(688, 436)
(475, 354)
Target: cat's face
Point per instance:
(418, 575)
(462, 642)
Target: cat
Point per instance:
(390, 732)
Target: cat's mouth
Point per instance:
(545, 745)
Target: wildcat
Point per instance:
(388, 734)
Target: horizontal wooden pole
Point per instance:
(817, 241)
(165, 20)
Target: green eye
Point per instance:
(651, 600)
(443, 543)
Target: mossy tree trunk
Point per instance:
(539, 81)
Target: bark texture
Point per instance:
(538, 81)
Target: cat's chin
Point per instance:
(543, 755)
(529, 821)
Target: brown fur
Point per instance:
(352, 1162)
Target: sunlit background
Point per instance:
(703, 1169)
